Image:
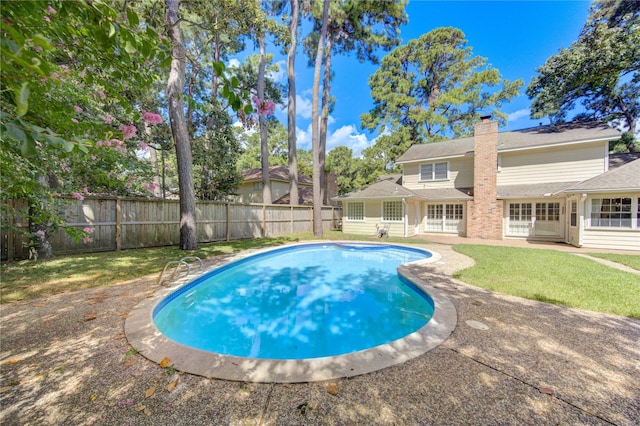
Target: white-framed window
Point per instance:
(434, 171)
(392, 211)
(549, 212)
(355, 211)
(612, 212)
(574, 213)
(444, 218)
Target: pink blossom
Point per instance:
(51, 10)
(108, 119)
(46, 18)
(129, 131)
(77, 196)
(74, 120)
(116, 142)
(82, 73)
(264, 107)
(93, 157)
(88, 230)
(85, 190)
(40, 233)
(149, 186)
(77, 108)
(143, 145)
(151, 118)
(86, 239)
(101, 94)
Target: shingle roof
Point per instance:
(445, 193)
(275, 173)
(622, 158)
(622, 178)
(536, 190)
(380, 189)
(517, 139)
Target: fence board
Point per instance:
(129, 223)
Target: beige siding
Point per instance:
(611, 239)
(460, 175)
(372, 217)
(562, 164)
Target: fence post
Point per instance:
(264, 221)
(118, 225)
(228, 221)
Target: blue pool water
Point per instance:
(298, 302)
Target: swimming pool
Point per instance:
(306, 301)
(143, 334)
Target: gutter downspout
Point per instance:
(583, 213)
(405, 207)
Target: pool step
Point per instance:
(179, 268)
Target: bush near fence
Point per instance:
(127, 223)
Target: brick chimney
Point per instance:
(484, 213)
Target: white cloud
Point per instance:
(517, 115)
(348, 136)
(280, 75)
(303, 107)
(233, 62)
(344, 136)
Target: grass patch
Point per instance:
(554, 277)
(26, 279)
(630, 260)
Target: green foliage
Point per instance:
(277, 146)
(430, 89)
(600, 70)
(64, 99)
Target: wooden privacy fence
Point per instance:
(126, 223)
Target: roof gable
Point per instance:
(534, 137)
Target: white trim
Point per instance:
(429, 159)
(553, 145)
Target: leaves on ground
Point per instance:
(90, 316)
(166, 361)
(173, 385)
(332, 388)
(11, 361)
(150, 392)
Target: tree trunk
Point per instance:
(326, 88)
(175, 87)
(264, 143)
(291, 110)
(315, 142)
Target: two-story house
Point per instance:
(550, 183)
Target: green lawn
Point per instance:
(630, 260)
(546, 275)
(554, 277)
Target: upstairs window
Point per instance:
(434, 171)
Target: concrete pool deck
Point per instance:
(66, 359)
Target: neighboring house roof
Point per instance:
(305, 196)
(534, 137)
(619, 159)
(380, 189)
(536, 190)
(445, 193)
(622, 178)
(275, 173)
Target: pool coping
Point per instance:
(144, 336)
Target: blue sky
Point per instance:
(515, 36)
